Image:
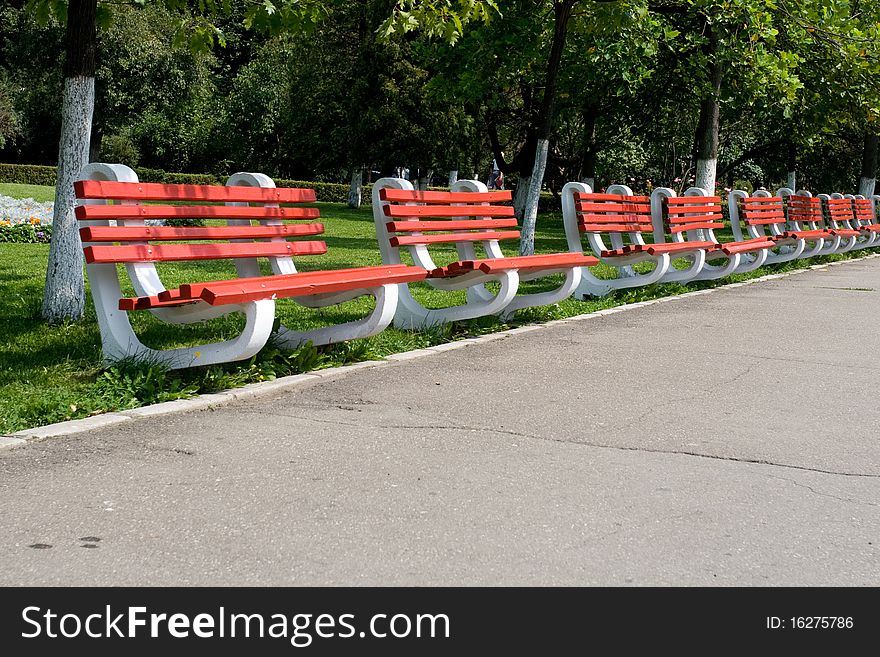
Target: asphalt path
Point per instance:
(723, 439)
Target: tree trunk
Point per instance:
(530, 214)
(453, 177)
(562, 10)
(519, 197)
(354, 191)
(588, 163)
(868, 179)
(425, 181)
(706, 138)
(64, 294)
(791, 167)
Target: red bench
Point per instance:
(694, 217)
(417, 222)
(840, 216)
(115, 234)
(763, 217)
(807, 222)
(619, 228)
(865, 220)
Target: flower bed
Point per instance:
(25, 220)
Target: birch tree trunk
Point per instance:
(530, 212)
(354, 191)
(64, 294)
(562, 11)
(706, 138)
(868, 178)
(520, 196)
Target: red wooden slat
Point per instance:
(616, 219)
(767, 221)
(808, 234)
(169, 233)
(681, 228)
(297, 285)
(845, 232)
(530, 263)
(694, 218)
(163, 252)
(144, 303)
(685, 200)
(761, 200)
(194, 290)
(764, 212)
(451, 238)
(611, 197)
(473, 224)
(694, 212)
(448, 211)
(94, 189)
(388, 194)
(674, 247)
(192, 212)
(758, 244)
(641, 208)
(615, 228)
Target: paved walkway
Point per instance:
(721, 439)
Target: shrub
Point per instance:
(120, 148)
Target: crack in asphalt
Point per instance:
(815, 492)
(647, 450)
(801, 361)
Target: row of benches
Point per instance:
(622, 230)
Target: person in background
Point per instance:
(496, 179)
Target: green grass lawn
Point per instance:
(40, 193)
(53, 373)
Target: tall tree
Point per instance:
(64, 295)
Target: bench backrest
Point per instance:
(761, 214)
(863, 211)
(693, 216)
(840, 211)
(415, 219)
(804, 212)
(609, 220)
(113, 216)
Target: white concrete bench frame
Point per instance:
(258, 293)
(695, 221)
(622, 218)
(395, 229)
(763, 216)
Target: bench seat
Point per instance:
(654, 249)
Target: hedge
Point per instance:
(31, 174)
(27, 174)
